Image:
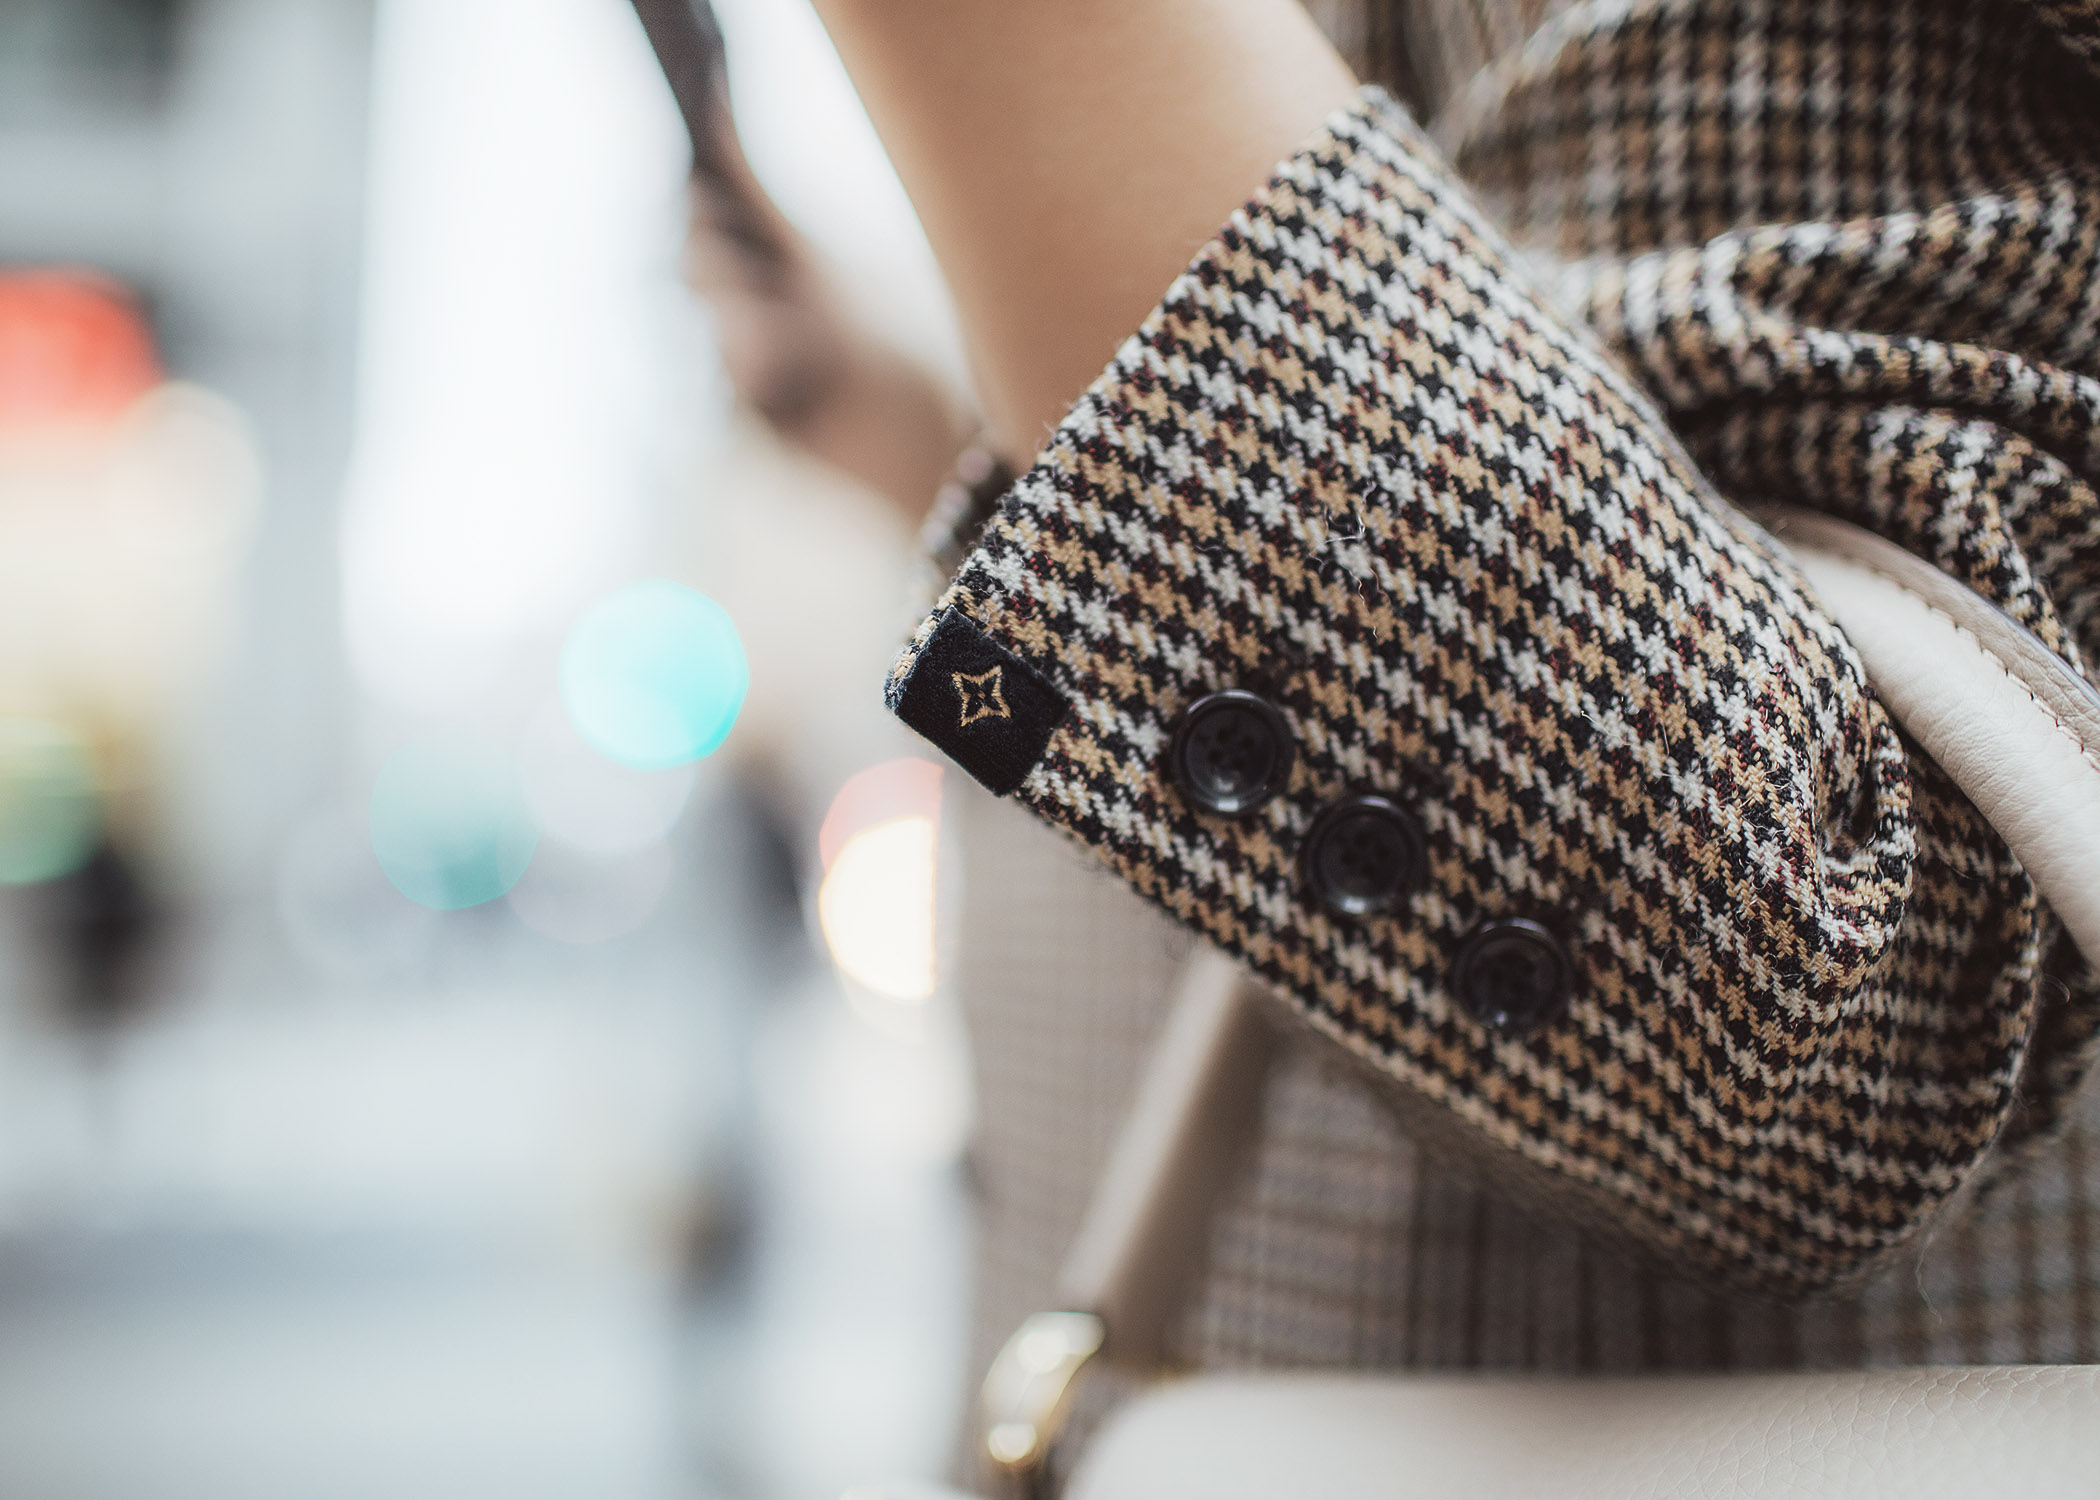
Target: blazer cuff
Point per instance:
(1530, 777)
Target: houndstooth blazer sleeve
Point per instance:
(1352, 464)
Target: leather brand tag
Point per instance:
(988, 709)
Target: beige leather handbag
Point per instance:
(2019, 732)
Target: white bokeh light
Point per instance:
(520, 305)
(876, 907)
(579, 898)
(589, 803)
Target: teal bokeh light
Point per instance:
(50, 814)
(654, 675)
(450, 826)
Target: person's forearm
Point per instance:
(1068, 156)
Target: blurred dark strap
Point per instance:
(687, 40)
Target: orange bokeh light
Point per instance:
(74, 350)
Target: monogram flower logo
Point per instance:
(981, 696)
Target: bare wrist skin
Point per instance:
(1067, 159)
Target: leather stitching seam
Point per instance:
(2086, 752)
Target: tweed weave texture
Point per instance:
(1853, 250)
(1351, 462)
(1348, 1245)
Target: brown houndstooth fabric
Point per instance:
(1352, 463)
(1848, 249)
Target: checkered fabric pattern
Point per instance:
(1847, 250)
(1351, 460)
(1853, 250)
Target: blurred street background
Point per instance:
(471, 1020)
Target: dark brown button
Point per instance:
(1513, 975)
(1363, 855)
(1231, 752)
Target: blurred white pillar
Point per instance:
(520, 342)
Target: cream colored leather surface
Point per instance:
(2022, 1433)
(2007, 720)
